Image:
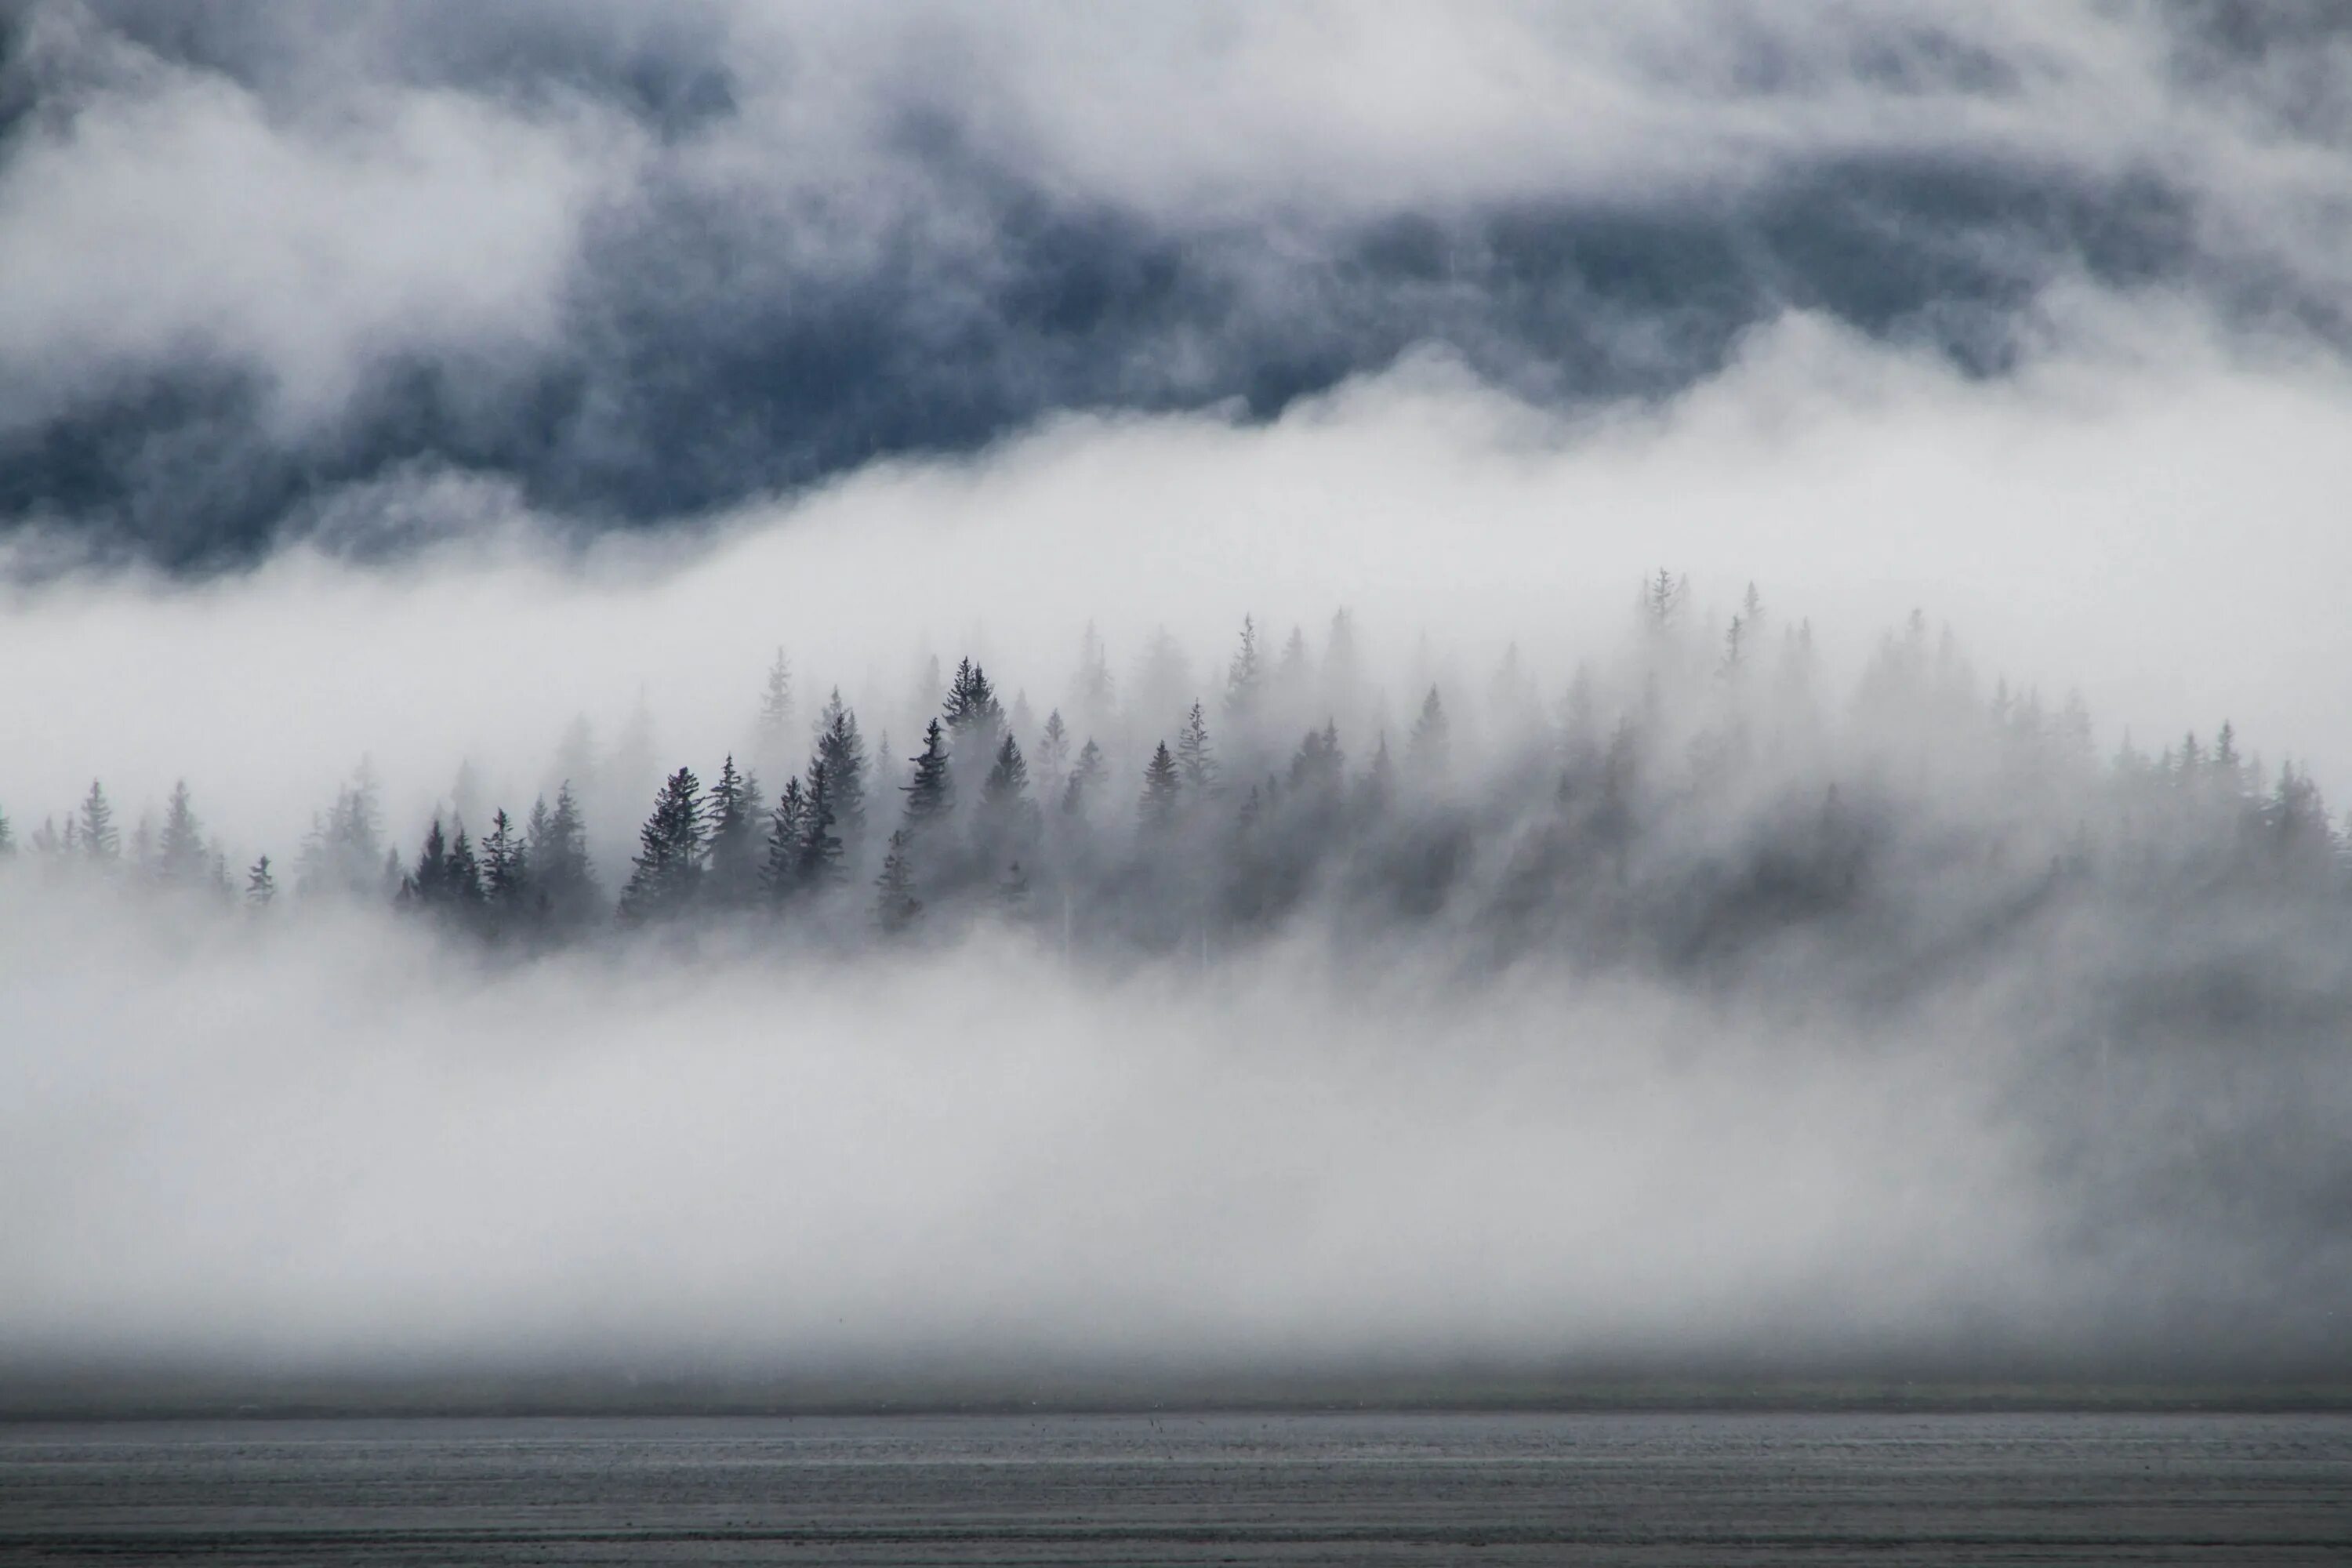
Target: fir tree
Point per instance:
(556, 851)
(734, 867)
(429, 883)
(260, 886)
(1426, 749)
(843, 751)
(1195, 758)
(931, 793)
(181, 858)
(97, 836)
(1246, 678)
(973, 713)
(774, 731)
(1086, 776)
(463, 880)
(506, 865)
(896, 907)
(1053, 753)
(7, 836)
(1156, 809)
(787, 827)
(820, 866)
(666, 871)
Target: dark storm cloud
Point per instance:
(640, 265)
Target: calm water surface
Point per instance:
(1307, 1488)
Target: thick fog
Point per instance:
(1902, 943)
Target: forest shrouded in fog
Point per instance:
(2046, 1028)
(922, 702)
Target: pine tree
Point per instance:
(463, 880)
(1426, 749)
(666, 871)
(820, 867)
(931, 793)
(429, 883)
(1195, 758)
(1092, 693)
(1086, 776)
(181, 858)
(787, 827)
(774, 731)
(505, 866)
(556, 851)
(973, 713)
(97, 836)
(260, 886)
(1053, 753)
(843, 751)
(896, 907)
(1156, 809)
(734, 870)
(7, 836)
(1246, 678)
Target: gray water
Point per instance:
(1295, 1489)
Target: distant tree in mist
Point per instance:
(1196, 759)
(930, 792)
(820, 867)
(1244, 677)
(1086, 778)
(733, 849)
(841, 749)
(555, 847)
(772, 731)
(7, 835)
(1156, 811)
(181, 858)
(260, 885)
(506, 869)
(95, 832)
(896, 907)
(667, 871)
(787, 828)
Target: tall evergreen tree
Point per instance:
(556, 850)
(1161, 783)
(843, 751)
(1085, 777)
(181, 858)
(1245, 677)
(734, 867)
(973, 713)
(667, 871)
(773, 733)
(931, 793)
(896, 907)
(505, 866)
(260, 886)
(787, 827)
(1052, 754)
(429, 882)
(820, 869)
(7, 835)
(98, 837)
(1196, 760)
(463, 880)
(1428, 747)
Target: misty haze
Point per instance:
(799, 731)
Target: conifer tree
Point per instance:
(97, 836)
(506, 865)
(733, 864)
(1156, 809)
(463, 880)
(973, 713)
(7, 836)
(896, 907)
(1426, 749)
(1086, 776)
(1196, 760)
(820, 867)
(180, 857)
(773, 731)
(931, 793)
(843, 751)
(556, 851)
(787, 827)
(429, 883)
(1246, 678)
(1053, 753)
(666, 871)
(260, 886)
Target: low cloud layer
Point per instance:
(636, 267)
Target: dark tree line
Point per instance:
(1697, 805)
